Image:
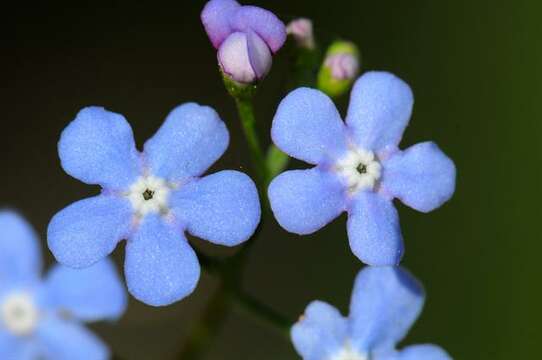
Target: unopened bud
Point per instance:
(244, 57)
(245, 37)
(301, 30)
(341, 66)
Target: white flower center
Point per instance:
(19, 313)
(149, 194)
(360, 169)
(347, 353)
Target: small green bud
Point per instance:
(341, 66)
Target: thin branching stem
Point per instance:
(230, 271)
(248, 123)
(264, 313)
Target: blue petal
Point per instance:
(191, 139)
(98, 148)
(422, 176)
(320, 332)
(385, 303)
(91, 294)
(161, 267)
(8, 344)
(20, 256)
(304, 201)
(89, 230)
(65, 340)
(419, 352)
(379, 111)
(373, 230)
(263, 22)
(15, 347)
(308, 126)
(216, 16)
(223, 208)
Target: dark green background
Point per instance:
(474, 67)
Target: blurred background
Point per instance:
(474, 67)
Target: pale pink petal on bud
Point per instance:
(302, 31)
(244, 57)
(343, 66)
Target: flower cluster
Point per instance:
(359, 169)
(42, 318)
(154, 197)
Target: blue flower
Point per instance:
(42, 318)
(151, 198)
(359, 166)
(385, 303)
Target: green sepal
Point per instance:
(276, 161)
(238, 90)
(326, 82)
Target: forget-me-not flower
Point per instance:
(360, 168)
(245, 36)
(43, 318)
(385, 303)
(151, 198)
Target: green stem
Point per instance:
(305, 64)
(230, 271)
(209, 263)
(277, 161)
(264, 313)
(248, 123)
(208, 326)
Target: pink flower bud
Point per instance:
(245, 36)
(343, 66)
(244, 57)
(301, 30)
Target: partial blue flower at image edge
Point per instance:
(385, 302)
(44, 317)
